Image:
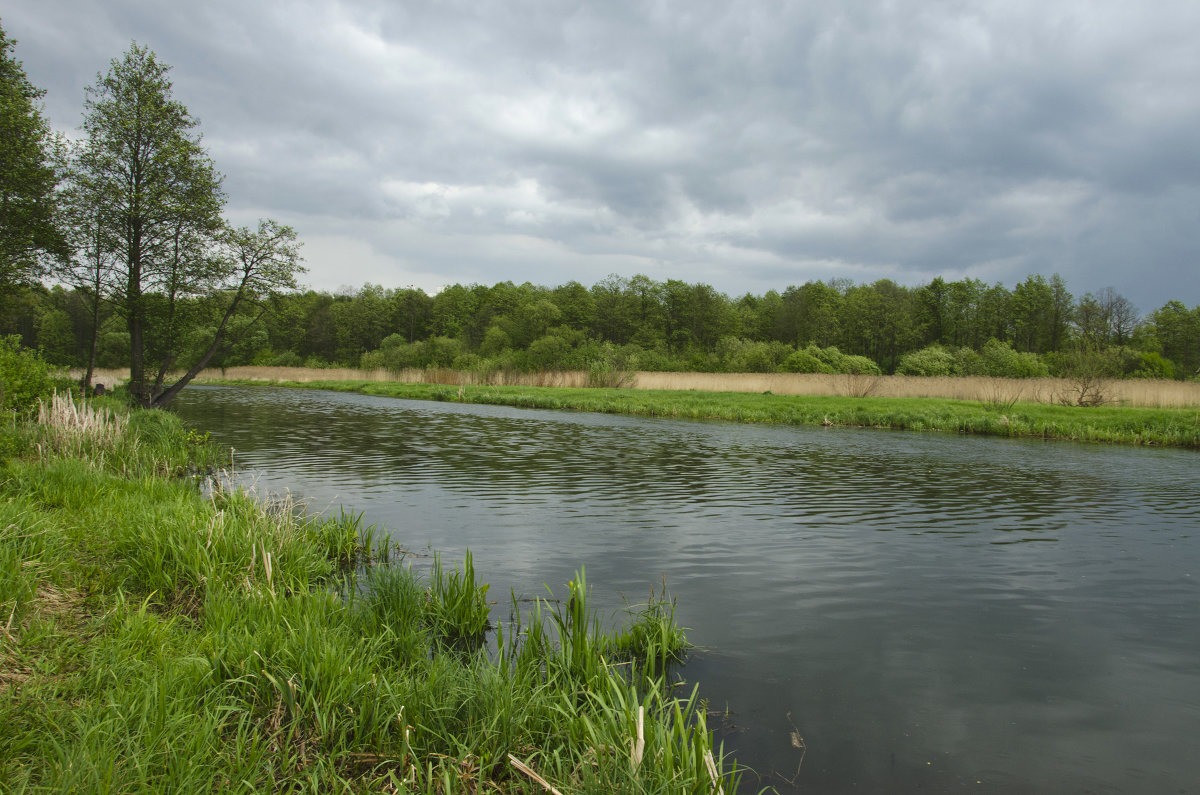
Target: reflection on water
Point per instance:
(931, 613)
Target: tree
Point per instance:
(1177, 331)
(143, 163)
(31, 164)
(90, 268)
(255, 265)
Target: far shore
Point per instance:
(998, 413)
(1129, 392)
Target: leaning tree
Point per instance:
(142, 162)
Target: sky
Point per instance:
(747, 145)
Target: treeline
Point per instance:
(962, 327)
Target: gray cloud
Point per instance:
(751, 145)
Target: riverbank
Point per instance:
(157, 636)
(1131, 425)
(1140, 392)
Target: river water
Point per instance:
(928, 612)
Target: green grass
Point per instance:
(155, 637)
(1167, 427)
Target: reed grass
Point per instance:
(1148, 393)
(160, 637)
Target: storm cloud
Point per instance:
(749, 145)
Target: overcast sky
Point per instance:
(749, 145)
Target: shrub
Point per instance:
(25, 377)
(851, 364)
(549, 353)
(998, 359)
(738, 355)
(932, 361)
(610, 367)
(287, 359)
(806, 360)
(440, 351)
(1153, 365)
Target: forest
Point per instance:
(965, 327)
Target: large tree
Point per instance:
(142, 162)
(30, 162)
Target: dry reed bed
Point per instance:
(1133, 392)
(1138, 392)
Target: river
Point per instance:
(928, 612)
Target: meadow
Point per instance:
(163, 632)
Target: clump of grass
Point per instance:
(78, 428)
(458, 608)
(653, 639)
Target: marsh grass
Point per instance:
(1148, 393)
(458, 608)
(159, 637)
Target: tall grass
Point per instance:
(1132, 392)
(155, 637)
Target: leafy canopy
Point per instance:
(31, 159)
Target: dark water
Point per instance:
(931, 613)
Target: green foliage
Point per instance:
(740, 355)
(932, 361)
(31, 236)
(610, 367)
(290, 359)
(807, 360)
(25, 378)
(998, 359)
(1153, 365)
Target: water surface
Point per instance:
(929, 612)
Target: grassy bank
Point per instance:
(157, 637)
(1170, 427)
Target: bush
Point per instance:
(932, 361)
(287, 359)
(850, 364)
(1153, 365)
(610, 367)
(740, 355)
(25, 377)
(806, 360)
(998, 359)
(440, 351)
(549, 353)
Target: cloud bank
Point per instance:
(750, 145)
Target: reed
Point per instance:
(1149, 393)
(458, 609)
